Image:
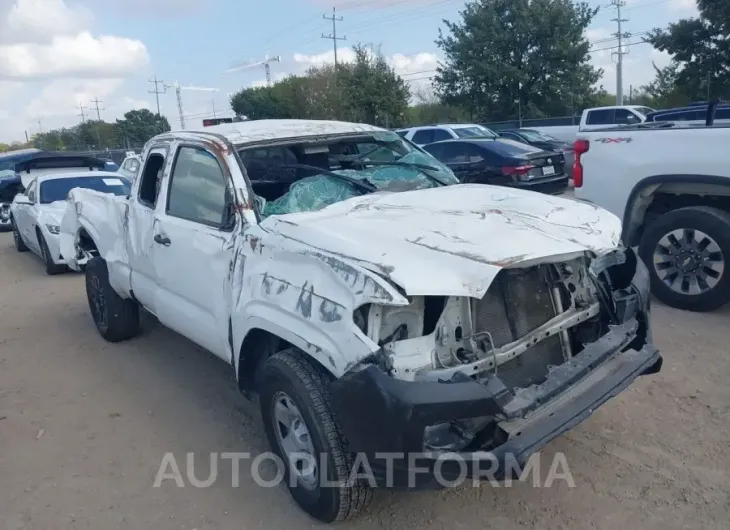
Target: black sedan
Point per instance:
(540, 140)
(502, 162)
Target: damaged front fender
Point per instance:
(305, 297)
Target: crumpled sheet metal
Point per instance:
(103, 216)
(454, 240)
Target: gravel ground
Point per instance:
(84, 425)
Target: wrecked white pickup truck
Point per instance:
(379, 309)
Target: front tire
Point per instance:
(295, 392)
(116, 318)
(51, 268)
(20, 245)
(687, 252)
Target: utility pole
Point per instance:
(81, 112)
(620, 35)
(96, 101)
(157, 91)
(333, 36)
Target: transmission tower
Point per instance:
(157, 92)
(333, 36)
(620, 35)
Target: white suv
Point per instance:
(429, 134)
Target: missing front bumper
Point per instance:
(525, 421)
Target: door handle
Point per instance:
(162, 240)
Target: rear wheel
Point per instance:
(51, 268)
(686, 252)
(116, 318)
(298, 418)
(20, 245)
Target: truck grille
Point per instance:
(518, 302)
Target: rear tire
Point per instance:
(695, 242)
(20, 245)
(116, 318)
(51, 268)
(289, 375)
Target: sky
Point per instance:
(58, 56)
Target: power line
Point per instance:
(623, 46)
(333, 36)
(96, 101)
(157, 91)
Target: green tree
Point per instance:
(507, 55)
(700, 49)
(366, 90)
(140, 125)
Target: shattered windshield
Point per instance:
(311, 176)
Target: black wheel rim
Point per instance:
(689, 261)
(98, 302)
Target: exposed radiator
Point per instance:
(517, 302)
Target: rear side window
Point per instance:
(440, 134)
(601, 117)
(151, 179)
(402, 134)
(625, 117)
(423, 136)
(197, 187)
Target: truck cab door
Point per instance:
(193, 240)
(141, 221)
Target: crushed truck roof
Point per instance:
(262, 130)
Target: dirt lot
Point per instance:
(84, 425)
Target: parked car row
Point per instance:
(350, 279)
(520, 158)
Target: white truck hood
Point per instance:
(452, 241)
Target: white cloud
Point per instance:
(63, 96)
(39, 20)
(50, 61)
(637, 67)
(78, 55)
(48, 39)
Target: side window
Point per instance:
(149, 186)
(133, 165)
(436, 151)
(31, 191)
(423, 136)
(625, 117)
(475, 154)
(455, 153)
(722, 114)
(197, 187)
(600, 117)
(440, 134)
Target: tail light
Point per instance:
(580, 147)
(516, 171)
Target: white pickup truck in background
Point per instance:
(671, 187)
(596, 119)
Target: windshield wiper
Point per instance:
(361, 184)
(422, 168)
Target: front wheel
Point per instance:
(686, 252)
(51, 267)
(116, 318)
(301, 428)
(20, 245)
